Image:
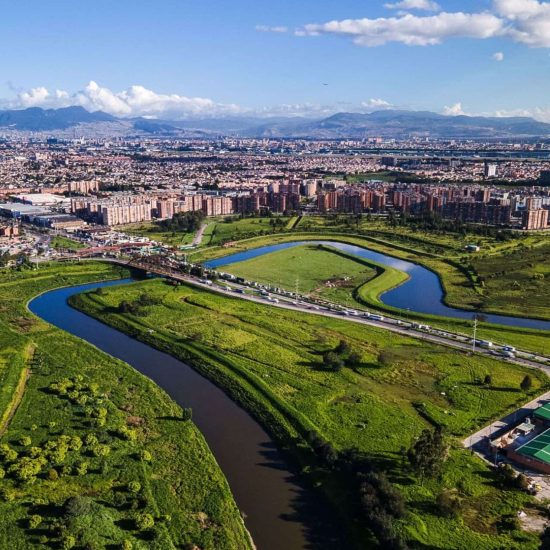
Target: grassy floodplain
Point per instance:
(511, 277)
(92, 453)
(368, 294)
(314, 270)
(269, 359)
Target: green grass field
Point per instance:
(516, 279)
(156, 233)
(510, 277)
(316, 271)
(95, 453)
(269, 359)
(232, 228)
(60, 242)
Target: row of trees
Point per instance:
(342, 355)
(186, 222)
(137, 306)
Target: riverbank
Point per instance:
(93, 435)
(462, 289)
(369, 294)
(270, 361)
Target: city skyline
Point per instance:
(178, 60)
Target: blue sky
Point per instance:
(226, 54)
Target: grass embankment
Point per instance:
(96, 454)
(270, 360)
(529, 339)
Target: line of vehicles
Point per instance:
(275, 294)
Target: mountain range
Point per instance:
(77, 121)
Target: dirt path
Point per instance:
(19, 391)
(197, 239)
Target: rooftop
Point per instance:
(538, 447)
(543, 412)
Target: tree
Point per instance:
(381, 503)
(428, 453)
(332, 361)
(77, 506)
(145, 455)
(488, 380)
(187, 414)
(526, 383)
(448, 503)
(144, 521)
(34, 521)
(68, 542)
(545, 539)
(82, 468)
(343, 348)
(354, 358)
(134, 487)
(522, 482)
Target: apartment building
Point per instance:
(535, 219)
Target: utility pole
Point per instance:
(475, 331)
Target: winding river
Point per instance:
(279, 511)
(422, 292)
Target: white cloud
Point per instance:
(267, 28)
(426, 5)
(529, 21)
(135, 101)
(453, 110)
(376, 104)
(411, 29)
(523, 21)
(498, 56)
(541, 114)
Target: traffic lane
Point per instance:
(388, 325)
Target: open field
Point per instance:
(60, 242)
(96, 454)
(516, 279)
(270, 360)
(218, 231)
(230, 228)
(157, 233)
(314, 270)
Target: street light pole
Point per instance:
(475, 331)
